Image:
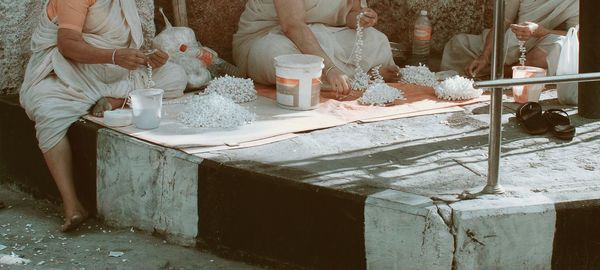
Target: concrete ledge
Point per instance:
(405, 231)
(148, 187)
(504, 233)
(382, 198)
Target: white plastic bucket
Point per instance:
(147, 108)
(527, 93)
(298, 81)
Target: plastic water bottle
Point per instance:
(422, 39)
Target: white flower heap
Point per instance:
(457, 88)
(214, 111)
(419, 75)
(361, 78)
(380, 94)
(238, 89)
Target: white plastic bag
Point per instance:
(568, 63)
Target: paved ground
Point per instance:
(29, 228)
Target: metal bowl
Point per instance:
(400, 52)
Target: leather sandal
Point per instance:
(560, 124)
(530, 117)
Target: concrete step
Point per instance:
(375, 199)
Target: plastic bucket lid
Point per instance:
(299, 61)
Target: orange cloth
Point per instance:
(71, 14)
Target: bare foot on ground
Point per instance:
(72, 221)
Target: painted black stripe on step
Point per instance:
(262, 218)
(577, 236)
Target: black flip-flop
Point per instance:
(531, 119)
(560, 124)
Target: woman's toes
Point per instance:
(74, 221)
(100, 107)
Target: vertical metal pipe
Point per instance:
(493, 186)
(589, 60)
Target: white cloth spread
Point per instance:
(57, 91)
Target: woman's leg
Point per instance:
(537, 57)
(60, 162)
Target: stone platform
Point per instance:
(376, 195)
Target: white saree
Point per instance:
(551, 14)
(259, 38)
(56, 92)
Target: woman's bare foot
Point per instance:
(102, 105)
(73, 221)
(106, 104)
(390, 73)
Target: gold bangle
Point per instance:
(329, 69)
(113, 56)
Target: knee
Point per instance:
(537, 57)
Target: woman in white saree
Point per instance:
(85, 53)
(542, 24)
(269, 28)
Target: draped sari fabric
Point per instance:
(57, 91)
(551, 14)
(259, 38)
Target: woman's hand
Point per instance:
(130, 59)
(338, 81)
(158, 59)
(369, 18)
(477, 65)
(528, 30)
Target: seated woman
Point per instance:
(85, 52)
(541, 23)
(270, 28)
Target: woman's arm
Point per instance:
(72, 46)
(292, 17)
(484, 59)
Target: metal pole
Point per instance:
(585, 77)
(493, 186)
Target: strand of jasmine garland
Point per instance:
(523, 51)
(361, 78)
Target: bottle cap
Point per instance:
(423, 12)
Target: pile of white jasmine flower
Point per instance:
(380, 94)
(419, 75)
(214, 111)
(457, 88)
(238, 89)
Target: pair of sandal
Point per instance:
(536, 122)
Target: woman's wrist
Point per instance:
(485, 56)
(329, 69)
(540, 32)
(113, 56)
(351, 19)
